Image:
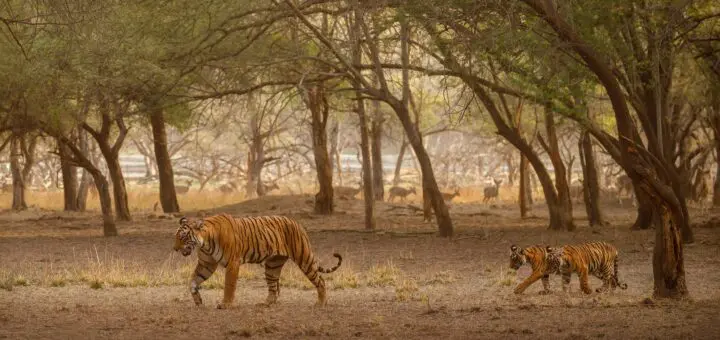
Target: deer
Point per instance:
(449, 197)
(348, 191)
(268, 188)
(5, 186)
(183, 189)
(400, 192)
(577, 190)
(228, 188)
(624, 185)
(703, 189)
(491, 192)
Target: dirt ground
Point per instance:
(62, 280)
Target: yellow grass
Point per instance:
(142, 198)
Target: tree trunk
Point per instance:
(668, 263)
(366, 167)
(561, 183)
(377, 163)
(334, 148)
(591, 188)
(524, 184)
(103, 189)
(319, 109)
(256, 155)
(715, 123)
(168, 197)
(364, 129)
(399, 162)
(18, 181)
(86, 179)
(431, 191)
(122, 209)
(111, 152)
(511, 170)
(69, 178)
(101, 184)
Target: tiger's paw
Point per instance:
(223, 305)
(545, 292)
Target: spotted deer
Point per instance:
(400, 192)
(449, 197)
(268, 188)
(625, 187)
(491, 192)
(183, 189)
(345, 192)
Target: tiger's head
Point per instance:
(517, 257)
(536, 256)
(186, 237)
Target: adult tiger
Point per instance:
(229, 242)
(597, 258)
(542, 265)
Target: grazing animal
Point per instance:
(264, 188)
(348, 191)
(625, 186)
(6, 187)
(400, 192)
(594, 258)
(703, 189)
(542, 265)
(228, 188)
(229, 242)
(576, 191)
(449, 197)
(492, 192)
(183, 189)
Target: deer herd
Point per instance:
(622, 189)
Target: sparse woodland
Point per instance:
(422, 138)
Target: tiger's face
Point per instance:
(517, 257)
(185, 237)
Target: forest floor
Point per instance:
(60, 279)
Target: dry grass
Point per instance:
(59, 270)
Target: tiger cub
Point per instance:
(596, 258)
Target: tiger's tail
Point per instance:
(617, 278)
(326, 271)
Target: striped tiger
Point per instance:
(541, 262)
(597, 258)
(229, 242)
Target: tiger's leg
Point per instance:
(566, 276)
(311, 272)
(231, 276)
(607, 278)
(584, 282)
(202, 272)
(530, 280)
(273, 267)
(546, 284)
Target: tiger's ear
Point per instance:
(550, 249)
(199, 224)
(513, 248)
(183, 220)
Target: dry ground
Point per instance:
(60, 279)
